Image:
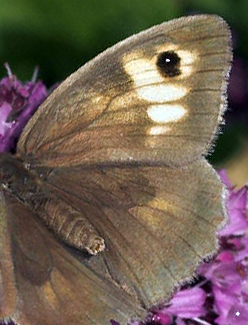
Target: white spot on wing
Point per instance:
(156, 130)
(161, 93)
(142, 72)
(166, 113)
(186, 71)
(187, 57)
(187, 60)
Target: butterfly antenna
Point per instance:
(7, 67)
(35, 74)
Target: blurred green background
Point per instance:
(61, 35)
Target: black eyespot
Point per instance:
(168, 64)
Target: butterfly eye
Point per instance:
(168, 64)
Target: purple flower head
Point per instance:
(18, 102)
(228, 272)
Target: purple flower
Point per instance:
(18, 102)
(182, 306)
(228, 272)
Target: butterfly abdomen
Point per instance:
(71, 226)
(66, 222)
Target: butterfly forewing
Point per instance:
(130, 105)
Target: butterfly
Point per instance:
(109, 203)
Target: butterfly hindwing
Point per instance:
(157, 222)
(50, 286)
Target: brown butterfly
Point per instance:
(113, 165)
